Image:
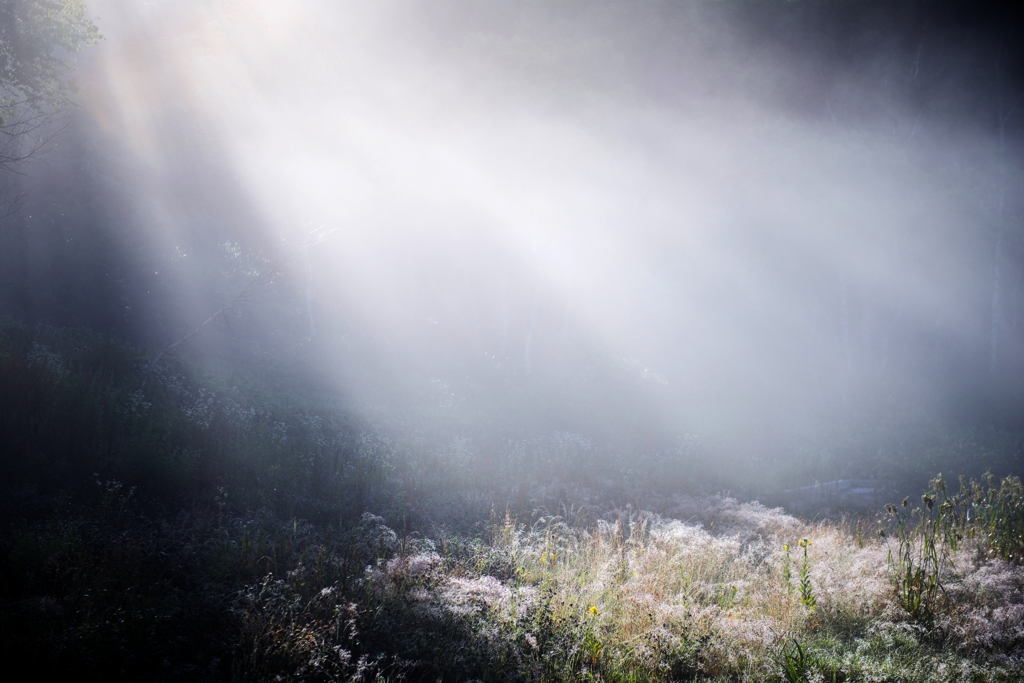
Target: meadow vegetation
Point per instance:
(161, 523)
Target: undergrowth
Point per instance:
(160, 524)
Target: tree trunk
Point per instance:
(996, 305)
(845, 323)
(309, 291)
(529, 339)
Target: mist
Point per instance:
(565, 340)
(637, 222)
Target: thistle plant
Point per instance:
(998, 515)
(915, 568)
(930, 536)
(807, 596)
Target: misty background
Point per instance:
(748, 237)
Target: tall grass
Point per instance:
(639, 597)
(161, 523)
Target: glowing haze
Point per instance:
(728, 228)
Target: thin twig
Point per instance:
(259, 279)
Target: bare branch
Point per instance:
(38, 130)
(257, 280)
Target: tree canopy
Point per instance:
(37, 38)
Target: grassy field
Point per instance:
(160, 523)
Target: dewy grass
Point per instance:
(632, 597)
(596, 593)
(650, 598)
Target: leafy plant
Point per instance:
(931, 535)
(915, 568)
(787, 569)
(797, 664)
(807, 597)
(998, 515)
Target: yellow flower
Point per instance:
(786, 547)
(593, 610)
(804, 543)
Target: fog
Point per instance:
(517, 340)
(634, 221)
